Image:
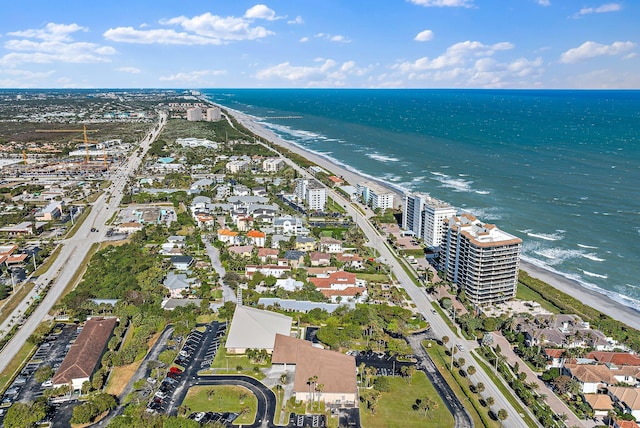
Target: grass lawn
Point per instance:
(526, 293)
(227, 364)
(395, 408)
(373, 277)
(15, 365)
(225, 398)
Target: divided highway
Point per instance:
(74, 249)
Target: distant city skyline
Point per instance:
(573, 44)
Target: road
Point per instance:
(421, 299)
(74, 250)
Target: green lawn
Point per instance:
(526, 293)
(224, 363)
(373, 277)
(225, 398)
(395, 408)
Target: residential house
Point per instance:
(178, 284)
(592, 378)
(181, 262)
(341, 286)
(600, 403)
(256, 238)
(555, 357)
(627, 399)
(617, 358)
(272, 164)
(200, 185)
(294, 258)
(277, 239)
(265, 255)
(204, 220)
(320, 259)
(289, 225)
(350, 260)
(330, 245)
(305, 243)
(229, 237)
(321, 272)
(241, 190)
(243, 221)
(267, 270)
(289, 284)
(302, 305)
(241, 250)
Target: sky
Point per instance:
(552, 44)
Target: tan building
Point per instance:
(320, 374)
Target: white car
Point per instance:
(47, 383)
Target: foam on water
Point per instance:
(381, 158)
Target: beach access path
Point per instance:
(594, 299)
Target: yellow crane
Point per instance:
(86, 140)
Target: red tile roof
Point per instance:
(617, 358)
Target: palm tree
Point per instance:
(426, 405)
(319, 389)
(471, 370)
(489, 400)
(502, 415)
(480, 387)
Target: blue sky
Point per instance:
(320, 43)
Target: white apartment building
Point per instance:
(214, 114)
(312, 192)
(481, 259)
(375, 195)
(194, 114)
(425, 216)
(237, 166)
(272, 164)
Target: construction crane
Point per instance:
(86, 140)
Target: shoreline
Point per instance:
(592, 298)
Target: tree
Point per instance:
(43, 373)
(502, 415)
(425, 405)
(480, 387)
(471, 370)
(489, 400)
(25, 415)
(382, 384)
(445, 340)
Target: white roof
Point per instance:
(256, 329)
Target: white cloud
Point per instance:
(304, 40)
(205, 29)
(456, 55)
(229, 28)
(607, 7)
(333, 38)
(424, 36)
(261, 11)
(470, 64)
(297, 20)
(443, 3)
(591, 49)
(544, 2)
(50, 32)
(192, 76)
(53, 44)
(132, 70)
(327, 72)
(159, 36)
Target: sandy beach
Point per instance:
(596, 300)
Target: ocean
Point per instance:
(559, 169)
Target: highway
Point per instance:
(74, 249)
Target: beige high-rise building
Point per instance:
(194, 114)
(214, 114)
(481, 259)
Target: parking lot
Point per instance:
(51, 352)
(197, 353)
(385, 364)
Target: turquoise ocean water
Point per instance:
(560, 169)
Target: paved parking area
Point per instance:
(51, 352)
(385, 365)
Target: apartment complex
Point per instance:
(375, 195)
(194, 114)
(425, 216)
(312, 192)
(481, 259)
(214, 114)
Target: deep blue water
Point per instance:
(560, 169)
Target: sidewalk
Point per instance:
(556, 404)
